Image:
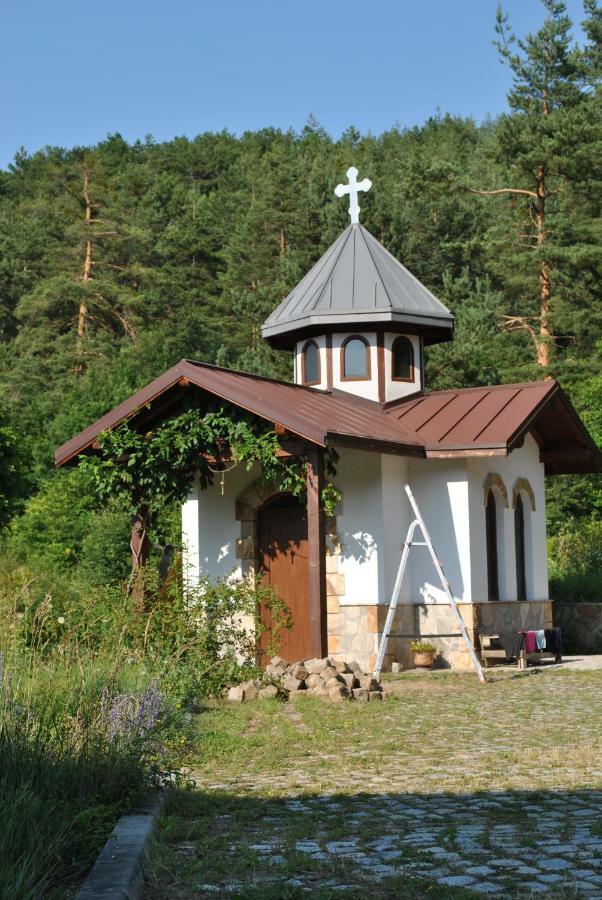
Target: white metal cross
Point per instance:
(352, 189)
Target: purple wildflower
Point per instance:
(128, 717)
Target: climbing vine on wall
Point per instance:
(155, 468)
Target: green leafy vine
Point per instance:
(155, 468)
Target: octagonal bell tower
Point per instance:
(359, 320)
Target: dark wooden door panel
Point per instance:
(283, 557)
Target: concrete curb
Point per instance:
(118, 871)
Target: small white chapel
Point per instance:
(359, 325)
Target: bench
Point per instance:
(491, 649)
(524, 657)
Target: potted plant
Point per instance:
(424, 654)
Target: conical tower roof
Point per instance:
(357, 284)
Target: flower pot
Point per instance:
(424, 659)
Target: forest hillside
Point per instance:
(119, 259)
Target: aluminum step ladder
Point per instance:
(419, 522)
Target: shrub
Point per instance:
(575, 556)
(105, 557)
(199, 639)
(54, 522)
(422, 647)
(13, 481)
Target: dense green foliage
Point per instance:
(156, 467)
(118, 260)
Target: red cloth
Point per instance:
(530, 642)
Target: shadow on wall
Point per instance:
(359, 546)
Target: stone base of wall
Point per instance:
(354, 632)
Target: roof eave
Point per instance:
(184, 372)
(363, 442)
(437, 328)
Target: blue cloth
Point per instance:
(540, 639)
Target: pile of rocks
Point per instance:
(323, 678)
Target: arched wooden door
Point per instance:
(284, 562)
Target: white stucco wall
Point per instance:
(372, 521)
(521, 463)
(373, 518)
(396, 520)
(210, 529)
(360, 524)
(440, 488)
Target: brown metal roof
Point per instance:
(483, 421)
(319, 416)
(495, 419)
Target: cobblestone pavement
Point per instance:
(477, 791)
(470, 841)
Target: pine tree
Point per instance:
(546, 85)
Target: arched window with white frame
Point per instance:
(402, 360)
(491, 537)
(310, 363)
(496, 500)
(355, 359)
(523, 501)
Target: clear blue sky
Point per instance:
(72, 71)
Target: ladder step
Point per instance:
(419, 544)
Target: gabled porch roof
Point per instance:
(483, 421)
(493, 420)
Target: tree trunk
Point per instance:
(82, 315)
(139, 545)
(545, 290)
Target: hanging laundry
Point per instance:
(554, 642)
(530, 642)
(511, 642)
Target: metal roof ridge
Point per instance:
(480, 399)
(397, 263)
(410, 306)
(375, 267)
(327, 266)
(318, 293)
(480, 387)
(204, 365)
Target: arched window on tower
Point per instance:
(402, 353)
(310, 363)
(493, 582)
(355, 359)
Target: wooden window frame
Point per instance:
(368, 375)
(491, 543)
(303, 352)
(412, 376)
